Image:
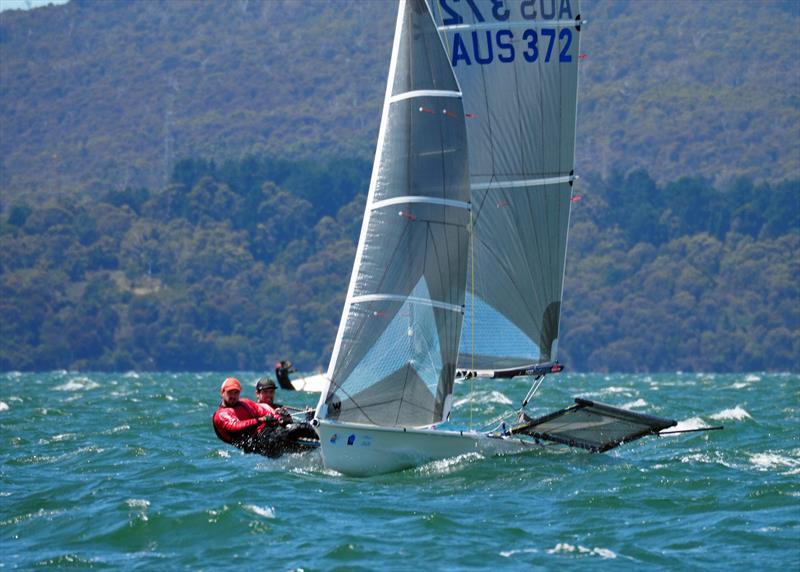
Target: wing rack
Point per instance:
(593, 426)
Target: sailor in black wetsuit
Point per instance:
(282, 370)
(283, 438)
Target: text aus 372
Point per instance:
(497, 34)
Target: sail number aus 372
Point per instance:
(484, 46)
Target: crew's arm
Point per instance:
(230, 422)
(269, 416)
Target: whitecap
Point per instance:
(767, 461)
(638, 403)
(266, 512)
(140, 506)
(443, 466)
(41, 513)
(686, 425)
(137, 503)
(748, 380)
(716, 457)
(613, 389)
(58, 438)
(509, 553)
(484, 399)
(565, 548)
(78, 384)
(3, 406)
(117, 429)
(736, 414)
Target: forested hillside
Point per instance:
(182, 182)
(233, 265)
(109, 94)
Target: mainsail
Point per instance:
(394, 359)
(517, 64)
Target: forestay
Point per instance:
(517, 65)
(394, 359)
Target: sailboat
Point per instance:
(460, 263)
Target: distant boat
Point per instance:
(312, 383)
(471, 191)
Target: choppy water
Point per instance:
(123, 471)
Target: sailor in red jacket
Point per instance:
(239, 421)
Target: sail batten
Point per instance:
(419, 199)
(424, 93)
(409, 299)
(522, 183)
(527, 24)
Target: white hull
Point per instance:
(311, 384)
(364, 450)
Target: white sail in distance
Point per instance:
(517, 64)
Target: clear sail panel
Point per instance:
(399, 378)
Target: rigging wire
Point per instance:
(472, 315)
(537, 382)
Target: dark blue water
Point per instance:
(115, 471)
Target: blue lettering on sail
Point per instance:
(500, 11)
(483, 46)
(551, 13)
(531, 54)
(454, 11)
(459, 51)
(509, 55)
(477, 50)
(564, 55)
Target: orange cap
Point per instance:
(230, 383)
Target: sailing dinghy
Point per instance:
(467, 213)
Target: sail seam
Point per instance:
(506, 25)
(419, 199)
(522, 183)
(411, 299)
(424, 93)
